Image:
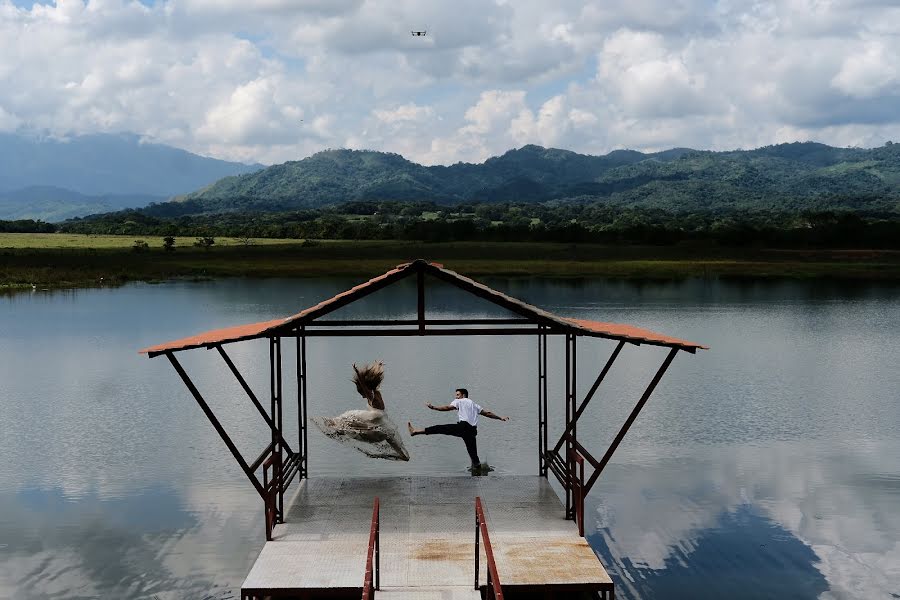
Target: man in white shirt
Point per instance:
(466, 426)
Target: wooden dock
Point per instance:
(427, 541)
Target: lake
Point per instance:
(768, 466)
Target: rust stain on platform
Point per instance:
(443, 550)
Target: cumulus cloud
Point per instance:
(848, 526)
(234, 79)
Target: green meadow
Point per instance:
(72, 260)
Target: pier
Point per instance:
(418, 537)
(426, 541)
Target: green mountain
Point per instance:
(798, 176)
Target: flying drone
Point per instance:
(418, 33)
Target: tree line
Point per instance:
(549, 222)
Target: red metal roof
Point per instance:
(614, 331)
(630, 333)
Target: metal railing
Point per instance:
(372, 580)
(577, 462)
(493, 579)
(271, 487)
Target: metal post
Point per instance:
(477, 550)
(568, 481)
(301, 399)
(250, 394)
(590, 394)
(378, 551)
(275, 394)
(571, 410)
(420, 294)
(546, 390)
(541, 448)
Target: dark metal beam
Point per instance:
(420, 299)
(352, 295)
(278, 424)
(416, 332)
(486, 293)
(590, 394)
(301, 401)
(542, 407)
(215, 423)
(250, 393)
(399, 322)
(568, 378)
(634, 413)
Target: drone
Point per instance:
(418, 33)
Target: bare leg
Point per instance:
(413, 430)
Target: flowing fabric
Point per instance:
(369, 431)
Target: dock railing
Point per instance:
(271, 486)
(577, 462)
(372, 580)
(493, 579)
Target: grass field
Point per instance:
(76, 240)
(54, 260)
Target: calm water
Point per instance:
(768, 466)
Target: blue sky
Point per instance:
(276, 80)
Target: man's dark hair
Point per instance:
(463, 391)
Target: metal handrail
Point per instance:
(493, 579)
(373, 556)
(270, 490)
(578, 489)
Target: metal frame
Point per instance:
(372, 578)
(493, 588)
(285, 463)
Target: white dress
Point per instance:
(370, 430)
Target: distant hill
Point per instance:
(104, 165)
(53, 204)
(791, 177)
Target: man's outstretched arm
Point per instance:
(490, 415)
(441, 408)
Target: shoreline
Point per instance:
(90, 261)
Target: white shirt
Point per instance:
(468, 410)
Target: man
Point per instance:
(466, 426)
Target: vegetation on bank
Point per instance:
(81, 264)
(506, 222)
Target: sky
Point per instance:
(275, 80)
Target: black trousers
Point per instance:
(459, 429)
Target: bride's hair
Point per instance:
(367, 380)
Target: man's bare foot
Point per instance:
(409, 426)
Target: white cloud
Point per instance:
(233, 79)
(405, 113)
(867, 73)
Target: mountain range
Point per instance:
(56, 180)
(53, 179)
(797, 176)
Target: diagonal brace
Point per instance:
(215, 423)
(571, 425)
(252, 396)
(630, 420)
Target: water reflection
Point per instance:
(114, 485)
(146, 545)
(779, 520)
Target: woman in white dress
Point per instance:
(370, 430)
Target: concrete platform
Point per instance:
(427, 539)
